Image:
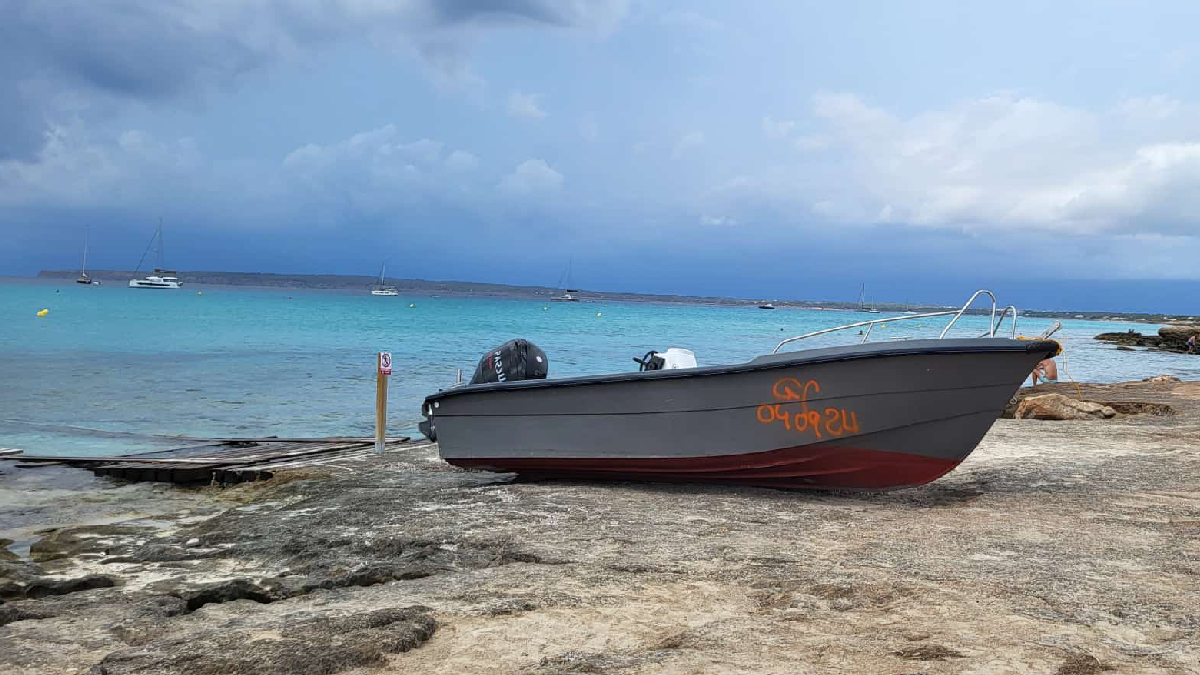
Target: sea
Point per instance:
(110, 370)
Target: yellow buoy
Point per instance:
(43, 312)
(597, 313)
(197, 292)
(412, 304)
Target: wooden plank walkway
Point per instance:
(228, 461)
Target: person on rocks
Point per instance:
(1191, 343)
(1048, 371)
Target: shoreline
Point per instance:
(1056, 545)
(348, 284)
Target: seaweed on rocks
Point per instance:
(316, 646)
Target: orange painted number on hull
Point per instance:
(836, 422)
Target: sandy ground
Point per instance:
(1058, 547)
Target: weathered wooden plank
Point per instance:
(228, 465)
(277, 439)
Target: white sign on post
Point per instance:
(385, 363)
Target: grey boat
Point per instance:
(869, 416)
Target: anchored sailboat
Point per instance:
(382, 288)
(862, 301)
(566, 296)
(161, 278)
(83, 275)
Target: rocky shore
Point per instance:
(1058, 547)
(1169, 338)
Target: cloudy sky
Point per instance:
(760, 149)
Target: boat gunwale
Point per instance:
(819, 399)
(773, 362)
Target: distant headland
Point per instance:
(470, 289)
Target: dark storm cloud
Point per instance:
(551, 12)
(92, 52)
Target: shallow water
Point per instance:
(109, 368)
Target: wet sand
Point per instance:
(1057, 547)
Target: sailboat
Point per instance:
(161, 278)
(83, 275)
(862, 301)
(382, 288)
(566, 296)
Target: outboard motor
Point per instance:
(510, 362)
(672, 359)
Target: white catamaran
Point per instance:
(382, 288)
(161, 278)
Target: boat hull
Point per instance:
(796, 467)
(876, 416)
(161, 285)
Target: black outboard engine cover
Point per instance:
(510, 362)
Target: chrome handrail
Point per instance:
(999, 321)
(993, 324)
(867, 333)
(1054, 328)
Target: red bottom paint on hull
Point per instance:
(813, 467)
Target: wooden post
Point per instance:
(383, 368)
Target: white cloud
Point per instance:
(1009, 161)
(424, 150)
(688, 141)
(810, 143)
(532, 175)
(79, 169)
(155, 52)
(461, 160)
(690, 20)
(718, 221)
(375, 158)
(777, 128)
(527, 106)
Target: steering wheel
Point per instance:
(645, 361)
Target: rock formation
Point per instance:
(1059, 407)
(1169, 338)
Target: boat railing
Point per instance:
(993, 323)
(1010, 310)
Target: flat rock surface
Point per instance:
(1057, 547)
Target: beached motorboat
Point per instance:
(866, 416)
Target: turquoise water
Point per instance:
(109, 367)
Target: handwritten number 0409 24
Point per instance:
(834, 422)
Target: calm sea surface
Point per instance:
(110, 367)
